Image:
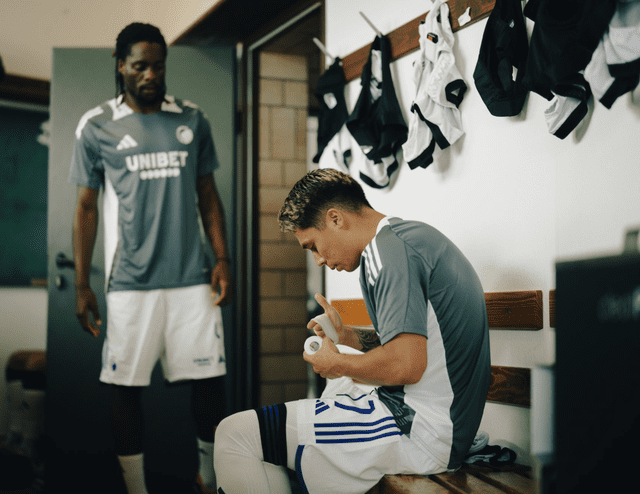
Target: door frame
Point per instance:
(248, 102)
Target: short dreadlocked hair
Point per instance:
(129, 36)
(317, 192)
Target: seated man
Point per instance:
(411, 402)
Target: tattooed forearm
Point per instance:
(367, 337)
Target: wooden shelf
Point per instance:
(514, 310)
(25, 89)
(505, 310)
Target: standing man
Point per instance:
(426, 366)
(154, 156)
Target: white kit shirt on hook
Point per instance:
(435, 117)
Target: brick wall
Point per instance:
(282, 149)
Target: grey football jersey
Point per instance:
(148, 165)
(415, 280)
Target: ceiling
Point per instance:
(228, 21)
(297, 40)
(237, 20)
(242, 20)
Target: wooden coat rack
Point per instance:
(405, 39)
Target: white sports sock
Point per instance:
(238, 459)
(15, 395)
(133, 473)
(32, 419)
(205, 456)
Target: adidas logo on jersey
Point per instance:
(127, 142)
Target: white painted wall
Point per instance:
(513, 197)
(23, 326)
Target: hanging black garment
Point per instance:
(376, 122)
(564, 37)
(333, 107)
(568, 106)
(502, 60)
(614, 68)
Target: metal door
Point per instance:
(76, 413)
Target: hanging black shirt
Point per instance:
(377, 123)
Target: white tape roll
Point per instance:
(312, 344)
(327, 326)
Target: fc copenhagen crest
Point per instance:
(184, 134)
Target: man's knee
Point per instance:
(238, 433)
(260, 432)
(237, 424)
(227, 426)
(128, 394)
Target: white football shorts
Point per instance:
(348, 440)
(181, 327)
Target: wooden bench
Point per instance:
(476, 478)
(522, 310)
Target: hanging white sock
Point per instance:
(206, 471)
(133, 473)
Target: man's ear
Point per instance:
(120, 65)
(335, 218)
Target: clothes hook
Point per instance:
(631, 241)
(322, 47)
(465, 17)
(371, 24)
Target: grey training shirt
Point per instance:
(415, 280)
(148, 165)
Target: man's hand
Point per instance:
(212, 216)
(324, 360)
(86, 303)
(221, 287)
(333, 315)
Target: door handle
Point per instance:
(63, 261)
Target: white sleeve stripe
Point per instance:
(371, 263)
(374, 258)
(367, 267)
(376, 253)
(119, 109)
(85, 118)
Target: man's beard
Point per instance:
(145, 100)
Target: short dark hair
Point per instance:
(129, 36)
(317, 192)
